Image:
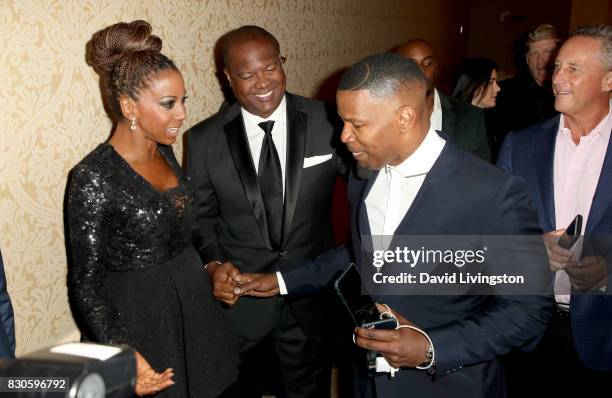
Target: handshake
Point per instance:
(229, 284)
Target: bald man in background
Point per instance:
(463, 122)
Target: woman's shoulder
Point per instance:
(98, 156)
(96, 163)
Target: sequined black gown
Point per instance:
(137, 280)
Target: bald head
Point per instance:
(243, 34)
(423, 54)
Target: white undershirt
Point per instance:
(435, 120)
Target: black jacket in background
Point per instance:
(520, 103)
(465, 126)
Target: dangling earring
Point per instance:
(133, 124)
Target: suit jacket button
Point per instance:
(282, 253)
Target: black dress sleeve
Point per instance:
(89, 236)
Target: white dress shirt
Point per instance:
(396, 187)
(576, 173)
(435, 120)
(255, 135)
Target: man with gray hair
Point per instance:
(567, 162)
(446, 344)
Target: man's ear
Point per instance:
(227, 76)
(606, 83)
(128, 107)
(407, 117)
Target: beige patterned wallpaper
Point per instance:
(53, 113)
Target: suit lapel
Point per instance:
(362, 212)
(440, 171)
(366, 245)
(603, 193)
(296, 140)
(448, 115)
(243, 161)
(545, 153)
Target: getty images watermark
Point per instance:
(459, 258)
(457, 264)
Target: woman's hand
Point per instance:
(148, 381)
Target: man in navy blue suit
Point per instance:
(7, 325)
(422, 185)
(567, 163)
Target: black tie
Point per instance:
(271, 182)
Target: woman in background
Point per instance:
(134, 275)
(477, 82)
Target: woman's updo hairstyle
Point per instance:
(126, 56)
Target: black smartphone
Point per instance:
(358, 302)
(571, 234)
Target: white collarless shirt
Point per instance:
(394, 191)
(396, 187)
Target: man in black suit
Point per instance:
(464, 123)
(527, 98)
(264, 170)
(416, 174)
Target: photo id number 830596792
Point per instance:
(34, 384)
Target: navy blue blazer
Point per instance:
(461, 195)
(7, 325)
(529, 153)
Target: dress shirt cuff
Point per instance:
(281, 284)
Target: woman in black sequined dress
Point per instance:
(134, 275)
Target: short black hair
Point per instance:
(382, 75)
(243, 34)
(473, 73)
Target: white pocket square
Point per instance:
(315, 160)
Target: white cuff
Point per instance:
(281, 284)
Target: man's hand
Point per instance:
(223, 280)
(589, 273)
(558, 257)
(257, 285)
(148, 381)
(400, 347)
